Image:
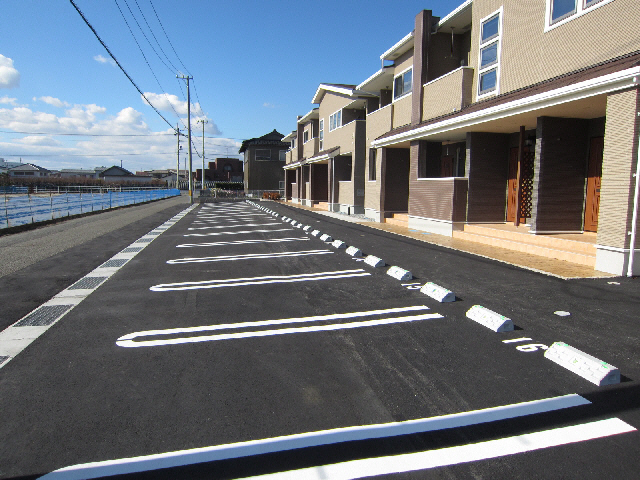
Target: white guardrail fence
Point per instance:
(20, 209)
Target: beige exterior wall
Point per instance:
(448, 93)
(402, 111)
(379, 123)
(403, 62)
(530, 55)
(345, 192)
(618, 167)
(310, 148)
(330, 104)
(372, 188)
(343, 137)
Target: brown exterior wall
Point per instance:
(618, 167)
(487, 168)
(559, 174)
(442, 199)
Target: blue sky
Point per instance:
(256, 65)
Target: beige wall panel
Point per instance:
(403, 62)
(345, 192)
(402, 111)
(378, 123)
(310, 148)
(530, 55)
(618, 166)
(342, 137)
(330, 104)
(447, 94)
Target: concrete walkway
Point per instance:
(550, 266)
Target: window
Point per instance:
(305, 136)
(372, 164)
(293, 143)
(402, 84)
(559, 11)
(335, 120)
(321, 134)
(282, 155)
(227, 168)
(263, 154)
(489, 61)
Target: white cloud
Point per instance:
(8, 101)
(268, 105)
(9, 76)
(54, 102)
(171, 103)
(43, 141)
(101, 59)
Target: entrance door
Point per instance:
(446, 167)
(594, 180)
(512, 185)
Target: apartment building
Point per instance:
(513, 117)
(263, 160)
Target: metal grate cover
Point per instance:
(118, 262)
(144, 240)
(3, 359)
(87, 282)
(44, 316)
(132, 249)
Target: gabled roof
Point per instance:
(116, 171)
(271, 138)
(403, 46)
(290, 137)
(311, 115)
(28, 167)
(341, 88)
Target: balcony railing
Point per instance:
(448, 93)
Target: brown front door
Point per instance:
(594, 179)
(446, 167)
(512, 185)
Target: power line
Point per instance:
(175, 70)
(140, 48)
(167, 37)
(118, 63)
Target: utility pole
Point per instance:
(203, 122)
(178, 162)
(187, 78)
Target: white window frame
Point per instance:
(321, 134)
(373, 165)
(293, 143)
(335, 120)
(497, 39)
(395, 97)
(581, 8)
(306, 135)
(262, 159)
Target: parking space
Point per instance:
(236, 327)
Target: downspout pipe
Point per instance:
(634, 219)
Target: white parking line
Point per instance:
(233, 226)
(248, 256)
(127, 340)
(211, 234)
(312, 439)
(241, 242)
(238, 282)
(411, 462)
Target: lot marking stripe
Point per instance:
(311, 439)
(248, 256)
(236, 282)
(234, 226)
(241, 242)
(280, 331)
(410, 462)
(281, 321)
(210, 234)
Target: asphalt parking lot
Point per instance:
(220, 341)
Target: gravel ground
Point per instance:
(21, 250)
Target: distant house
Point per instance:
(263, 161)
(28, 170)
(222, 169)
(119, 174)
(78, 173)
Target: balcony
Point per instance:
(379, 122)
(448, 93)
(310, 148)
(402, 111)
(345, 136)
